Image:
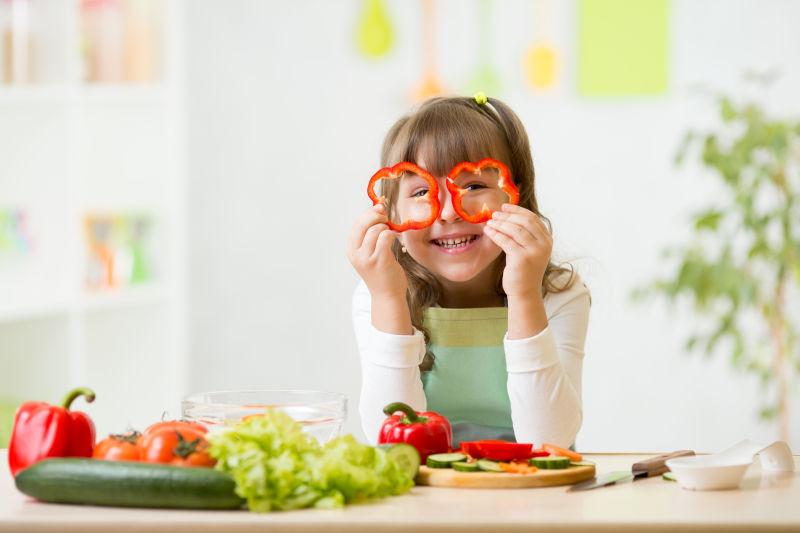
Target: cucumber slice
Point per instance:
(581, 463)
(488, 466)
(444, 460)
(551, 462)
(463, 466)
(669, 476)
(405, 455)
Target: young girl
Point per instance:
(472, 321)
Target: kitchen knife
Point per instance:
(654, 466)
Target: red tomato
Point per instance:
(175, 424)
(180, 447)
(119, 447)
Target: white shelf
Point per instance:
(124, 297)
(71, 149)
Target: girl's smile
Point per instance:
(455, 243)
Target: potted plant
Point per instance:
(740, 272)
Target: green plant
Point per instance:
(741, 269)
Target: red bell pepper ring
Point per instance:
(42, 430)
(432, 195)
(456, 192)
(428, 432)
(498, 450)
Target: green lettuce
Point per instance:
(276, 466)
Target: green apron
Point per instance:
(468, 380)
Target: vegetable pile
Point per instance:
(276, 466)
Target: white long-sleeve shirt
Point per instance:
(544, 371)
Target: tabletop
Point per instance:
(767, 501)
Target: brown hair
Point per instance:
(446, 131)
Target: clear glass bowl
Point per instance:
(321, 414)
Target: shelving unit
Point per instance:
(72, 149)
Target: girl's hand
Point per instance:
(527, 243)
(369, 249)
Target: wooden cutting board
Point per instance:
(447, 477)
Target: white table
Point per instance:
(770, 501)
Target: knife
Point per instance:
(654, 466)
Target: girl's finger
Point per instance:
(384, 245)
(519, 232)
(506, 243)
(367, 219)
(527, 218)
(367, 247)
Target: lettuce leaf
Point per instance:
(276, 466)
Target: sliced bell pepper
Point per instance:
(557, 450)
(456, 192)
(428, 432)
(498, 450)
(431, 196)
(42, 430)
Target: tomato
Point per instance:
(175, 424)
(184, 446)
(118, 447)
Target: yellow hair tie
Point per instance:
(481, 98)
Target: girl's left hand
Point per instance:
(527, 243)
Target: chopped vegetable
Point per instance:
(432, 194)
(444, 460)
(456, 192)
(489, 466)
(497, 450)
(518, 468)
(556, 450)
(551, 462)
(276, 466)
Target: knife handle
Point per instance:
(654, 466)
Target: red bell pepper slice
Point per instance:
(428, 432)
(42, 430)
(456, 192)
(498, 450)
(432, 195)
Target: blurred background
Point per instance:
(177, 180)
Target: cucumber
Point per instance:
(668, 476)
(551, 462)
(128, 484)
(444, 460)
(488, 466)
(581, 463)
(405, 455)
(464, 466)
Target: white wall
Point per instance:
(286, 120)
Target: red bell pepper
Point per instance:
(432, 195)
(456, 192)
(498, 450)
(428, 432)
(42, 430)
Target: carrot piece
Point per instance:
(556, 450)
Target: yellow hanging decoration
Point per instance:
(375, 35)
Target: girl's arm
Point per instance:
(544, 371)
(390, 358)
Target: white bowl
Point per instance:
(321, 414)
(701, 472)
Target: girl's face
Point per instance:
(451, 248)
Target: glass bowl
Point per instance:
(321, 414)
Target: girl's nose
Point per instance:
(448, 214)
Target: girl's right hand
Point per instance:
(369, 249)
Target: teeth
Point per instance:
(455, 243)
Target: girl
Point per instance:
(469, 320)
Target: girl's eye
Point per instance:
(419, 192)
(475, 186)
